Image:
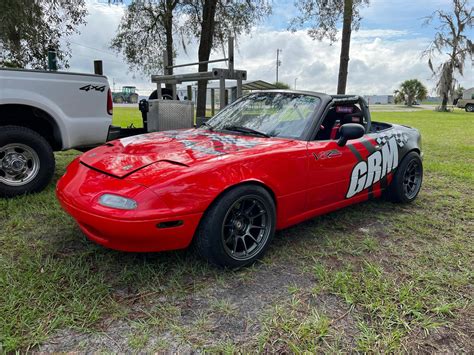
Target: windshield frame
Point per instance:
(312, 118)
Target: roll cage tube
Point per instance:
(342, 100)
(348, 99)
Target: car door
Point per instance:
(332, 181)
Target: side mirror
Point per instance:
(350, 131)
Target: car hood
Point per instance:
(125, 156)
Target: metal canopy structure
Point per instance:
(258, 85)
(215, 74)
(247, 85)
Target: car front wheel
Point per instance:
(238, 227)
(469, 108)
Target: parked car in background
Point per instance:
(466, 101)
(466, 104)
(42, 112)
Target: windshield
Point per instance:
(273, 114)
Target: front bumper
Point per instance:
(148, 235)
(152, 227)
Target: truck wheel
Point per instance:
(469, 108)
(238, 227)
(26, 161)
(407, 179)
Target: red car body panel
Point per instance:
(174, 176)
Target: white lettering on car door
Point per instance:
(378, 165)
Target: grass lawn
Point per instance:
(126, 116)
(372, 277)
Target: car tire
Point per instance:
(26, 161)
(237, 228)
(407, 180)
(469, 108)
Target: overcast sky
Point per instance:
(384, 52)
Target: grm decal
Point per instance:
(378, 165)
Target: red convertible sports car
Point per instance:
(268, 161)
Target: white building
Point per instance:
(379, 99)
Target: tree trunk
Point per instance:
(447, 77)
(205, 46)
(345, 46)
(444, 103)
(168, 24)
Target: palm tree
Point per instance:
(410, 91)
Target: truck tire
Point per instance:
(26, 161)
(469, 108)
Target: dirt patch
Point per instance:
(216, 315)
(457, 338)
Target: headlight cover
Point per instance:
(119, 202)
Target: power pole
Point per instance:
(278, 63)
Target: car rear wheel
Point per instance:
(238, 227)
(469, 108)
(407, 181)
(26, 161)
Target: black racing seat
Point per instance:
(335, 119)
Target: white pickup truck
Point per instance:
(42, 112)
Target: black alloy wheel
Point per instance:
(238, 227)
(246, 228)
(412, 179)
(407, 179)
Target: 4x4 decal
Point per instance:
(93, 87)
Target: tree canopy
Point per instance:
(145, 31)
(281, 85)
(451, 39)
(29, 27)
(148, 27)
(213, 21)
(323, 18)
